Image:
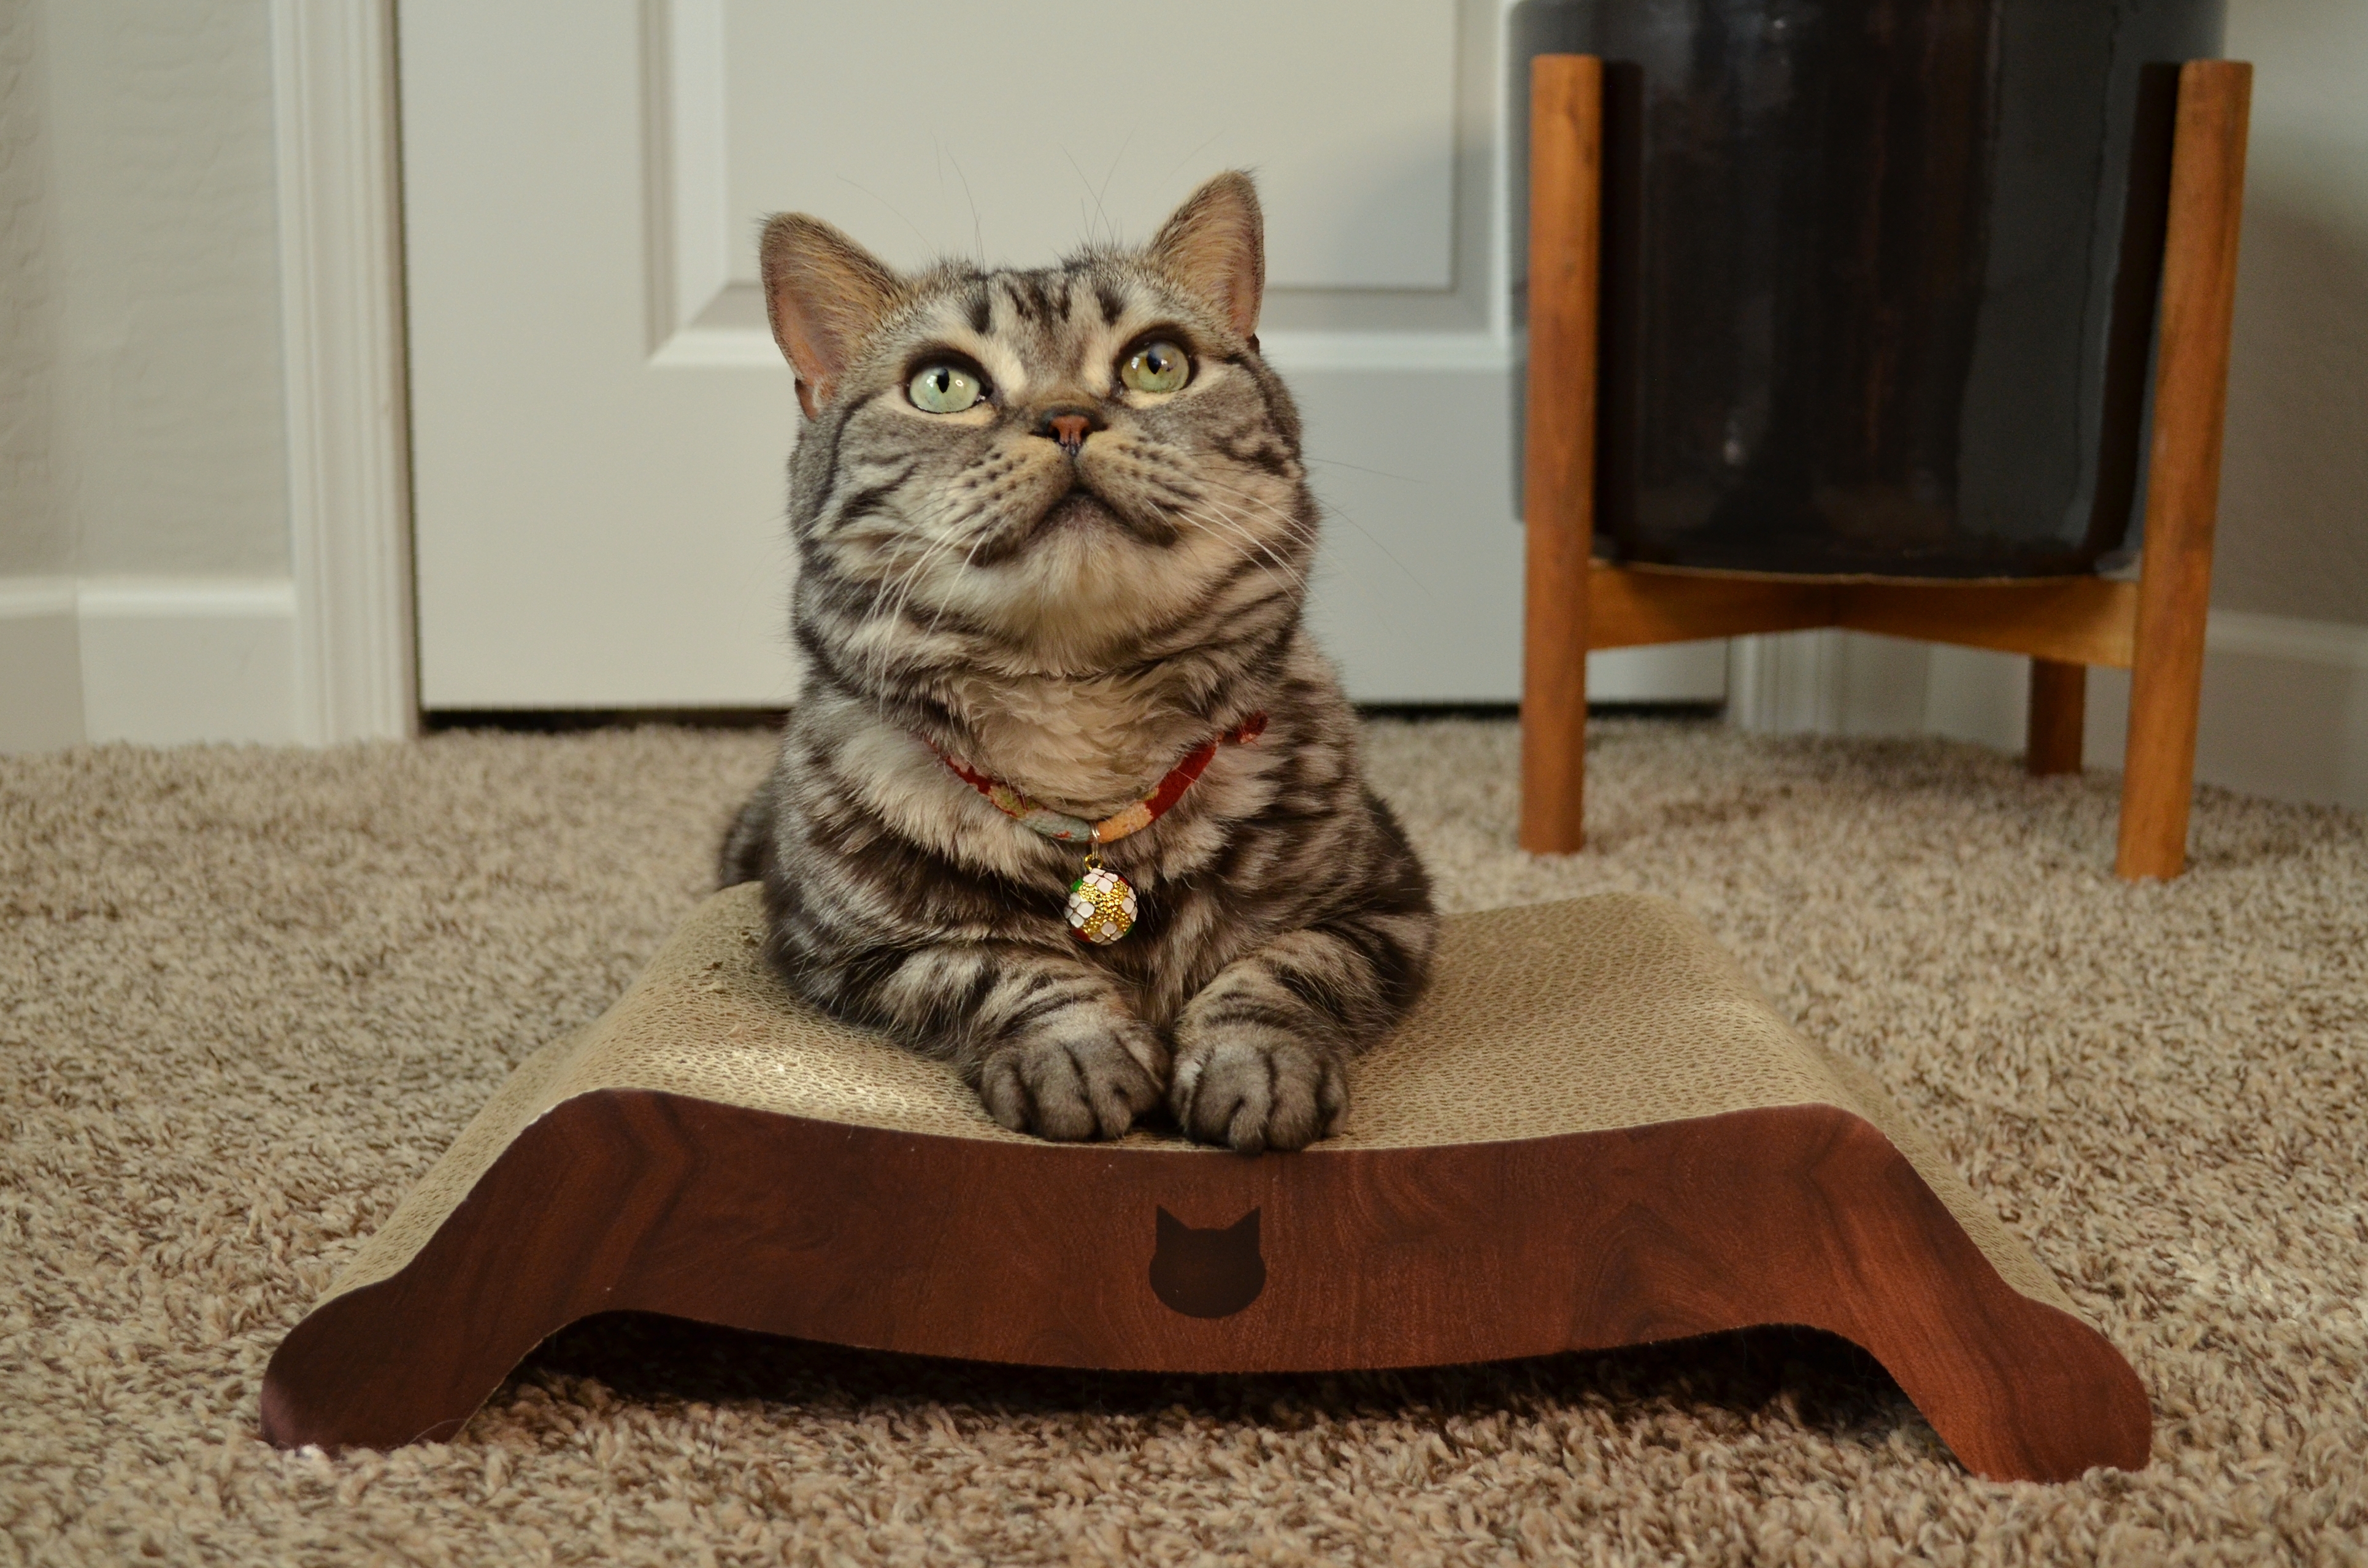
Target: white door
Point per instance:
(600, 420)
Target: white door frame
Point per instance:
(336, 110)
(341, 337)
(348, 465)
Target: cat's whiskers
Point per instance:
(1218, 523)
(882, 624)
(889, 604)
(1289, 552)
(1333, 510)
(1299, 528)
(1305, 534)
(904, 601)
(977, 545)
(950, 537)
(1239, 527)
(1298, 532)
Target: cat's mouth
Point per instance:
(1081, 512)
(1080, 508)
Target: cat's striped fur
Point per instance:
(1072, 623)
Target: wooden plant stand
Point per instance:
(2154, 626)
(1593, 1132)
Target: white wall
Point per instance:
(162, 264)
(143, 509)
(2284, 712)
(2294, 515)
(35, 538)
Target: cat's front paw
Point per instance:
(1071, 1088)
(1253, 1089)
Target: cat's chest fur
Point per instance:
(1086, 745)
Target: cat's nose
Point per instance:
(1069, 427)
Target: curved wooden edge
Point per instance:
(1053, 1255)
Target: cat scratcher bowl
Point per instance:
(1592, 1133)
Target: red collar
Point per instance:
(1066, 829)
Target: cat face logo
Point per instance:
(1208, 1274)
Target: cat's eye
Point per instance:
(945, 389)
(1158, 366)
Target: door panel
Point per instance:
(601, 422)
(950, 129)
(591, 530)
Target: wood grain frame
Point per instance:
(2154, 626)
(1041, 1254)
(1558, 472)
(2191, 404)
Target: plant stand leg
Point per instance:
(2059, 708)
(2199, 286)
(1558, 482)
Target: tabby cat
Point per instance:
(1053, 532)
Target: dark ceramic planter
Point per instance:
(1879, 275)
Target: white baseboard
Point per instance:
(1669, 672)
(2284, 713)
(2285, 710)
(168, 660)
(40, 665)
(156, 661)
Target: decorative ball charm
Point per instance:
(1101, 906)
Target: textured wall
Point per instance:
(2294, 528)
(140, 413)
(36, 536)
(141, 408)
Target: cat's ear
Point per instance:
(823, 293)
(1214, 248)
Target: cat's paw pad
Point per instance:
(1070, 1088)
(1253, 1092)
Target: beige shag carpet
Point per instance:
(247, 995)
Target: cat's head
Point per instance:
(1070, 469)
